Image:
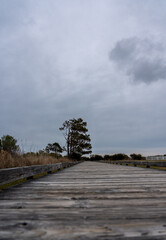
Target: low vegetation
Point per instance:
(78, 144)
(8, 160)
(116, 157)
(11, 156)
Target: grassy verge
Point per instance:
(142, 166)
(9, 161)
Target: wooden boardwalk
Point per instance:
(87, 201)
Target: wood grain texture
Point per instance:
(9, 175)
(87, 201)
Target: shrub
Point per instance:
(75, 156)
(137, 156)
(119, 156)
(96, 157)
(9, 161)
(107, 157)
(85, 158)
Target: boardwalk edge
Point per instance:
(13, 176)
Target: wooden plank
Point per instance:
(87, 201)
(9, 175)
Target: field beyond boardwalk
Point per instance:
(87, 201)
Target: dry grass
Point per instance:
(9, 161)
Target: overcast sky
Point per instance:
(102, 60)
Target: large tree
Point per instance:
(77, 139)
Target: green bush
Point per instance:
(137, 156)
(96, 157)
(85, 158)
(9, 144)
(119, 156)
(107, 157)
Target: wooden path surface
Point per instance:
(87, 201)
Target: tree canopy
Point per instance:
(9, 144)
(77, 139)
(135, 156)
(53, 147)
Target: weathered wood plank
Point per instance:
(87, 201)
(9, 175)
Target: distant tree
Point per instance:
(107, 157)
(96, 157)
(77, 139)
(83, 158)
(119, 156)
(9, 144)
(136, 156)
(53, 147)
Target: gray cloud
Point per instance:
(54, 66)
(141, 59)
